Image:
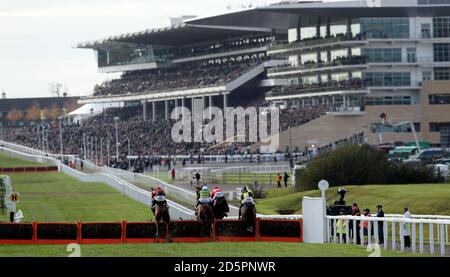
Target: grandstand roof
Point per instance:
(176, 35)
(286, 15)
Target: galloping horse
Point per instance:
(249, 217)
(161, 216)
(206, 216)
(220, 208)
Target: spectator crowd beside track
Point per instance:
(145, 138)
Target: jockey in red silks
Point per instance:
(216, 193)
(158, 195)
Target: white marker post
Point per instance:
(323, 186)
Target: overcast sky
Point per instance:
(37, 37)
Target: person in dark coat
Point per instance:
(380, 213)
(285, 178)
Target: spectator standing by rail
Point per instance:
(341, 227)
(173, 174)
(285, 178)
(278, 180)
(380, 213)
(197, 178)
(406, 228)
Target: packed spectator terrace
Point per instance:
(220, 46)
(351, 84)
(145, 138)
(191, 76)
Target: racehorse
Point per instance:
(161, 216)
(206, 217)
(220, 208)
(249, 216)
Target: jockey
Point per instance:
(157, 191)
(204, 197)
(246, 198)
(158, 196)
(216, 193)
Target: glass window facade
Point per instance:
(438, 126)
(406, 128)
(383, 28)
(339, 76)
(433, 2)
(126, 54)
(292, 35)
(310, 80)
(427, 76)
(439, 99)
(382, 55)
(441, 73)
(308, 32)
(308, 58)
(441, 27)
(441, 52)
(387, 79)
(388, 100)
(339, 53)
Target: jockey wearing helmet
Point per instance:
(204, 197)
(216, 193)
(158, 196)
(246, 198)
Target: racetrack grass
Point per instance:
(248, 178)
(164, 176)
(56, 197)
(420, 199)
(7, 161)
(239, 249)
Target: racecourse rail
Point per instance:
(382, 232)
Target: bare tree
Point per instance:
(14, 115)
(70, 106)
(58, 90)
(33, 113)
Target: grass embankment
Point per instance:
(7, 161)
(420, 199)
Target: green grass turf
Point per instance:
(7, 161)
(240, 249)
(420, 199)
(248, 178)
(163, 176)
(54, 197)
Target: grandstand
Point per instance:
(332, 74)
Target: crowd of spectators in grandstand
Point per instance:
(350, 84)
(150, 81)
(136, 136)
(240, 43)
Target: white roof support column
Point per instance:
(210, 104)
(182, 106)
(166, 109)
(153, 111)
(225, 105)
(144, 110)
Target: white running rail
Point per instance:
(426, 235)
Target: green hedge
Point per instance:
(359, 165)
